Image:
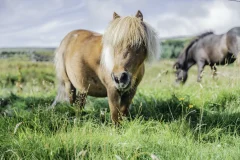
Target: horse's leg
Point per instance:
(214, 70)
(233, 43)
(114, 100)
(71, 91)
(185, 71)
(119, 104)
(200, 65)
(126, 100)
(82, 99)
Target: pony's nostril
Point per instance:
(120, 78)
(115, 78)
(124, 77)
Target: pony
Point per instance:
(208, 49)
(109, 65)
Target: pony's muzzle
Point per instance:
(121, 80)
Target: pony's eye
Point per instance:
(126, 54)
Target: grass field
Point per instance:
(194, 121)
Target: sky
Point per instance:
(39, 23)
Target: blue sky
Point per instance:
(38, 23)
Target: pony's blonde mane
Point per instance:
(130, 31)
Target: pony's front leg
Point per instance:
(114, 100)
(126, 100)
(119, 104)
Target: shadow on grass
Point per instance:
(23, 102)
(173, 109)
(148, 108)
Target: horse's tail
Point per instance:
(238, 50)
(60, 73)
(238, 44)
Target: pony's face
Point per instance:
(126, 66)
(127, 42)
(128, 58)
(181, 74)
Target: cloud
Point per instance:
(216, 15)
(34, 23)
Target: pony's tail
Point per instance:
(60, 73)
(61, 94)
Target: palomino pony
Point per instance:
(109, 65)
(208, 49)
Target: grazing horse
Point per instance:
(208, 49)
(109, 65)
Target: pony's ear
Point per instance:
(115, 15)
(139, 15)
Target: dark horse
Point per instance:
(208, 49)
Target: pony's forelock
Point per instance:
(130, 31)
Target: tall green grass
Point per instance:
(194, 121)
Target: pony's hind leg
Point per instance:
(74, 97)
(71, 92)
(82, 99)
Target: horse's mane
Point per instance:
(191, 43)
(201, 36)
(131, 31)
